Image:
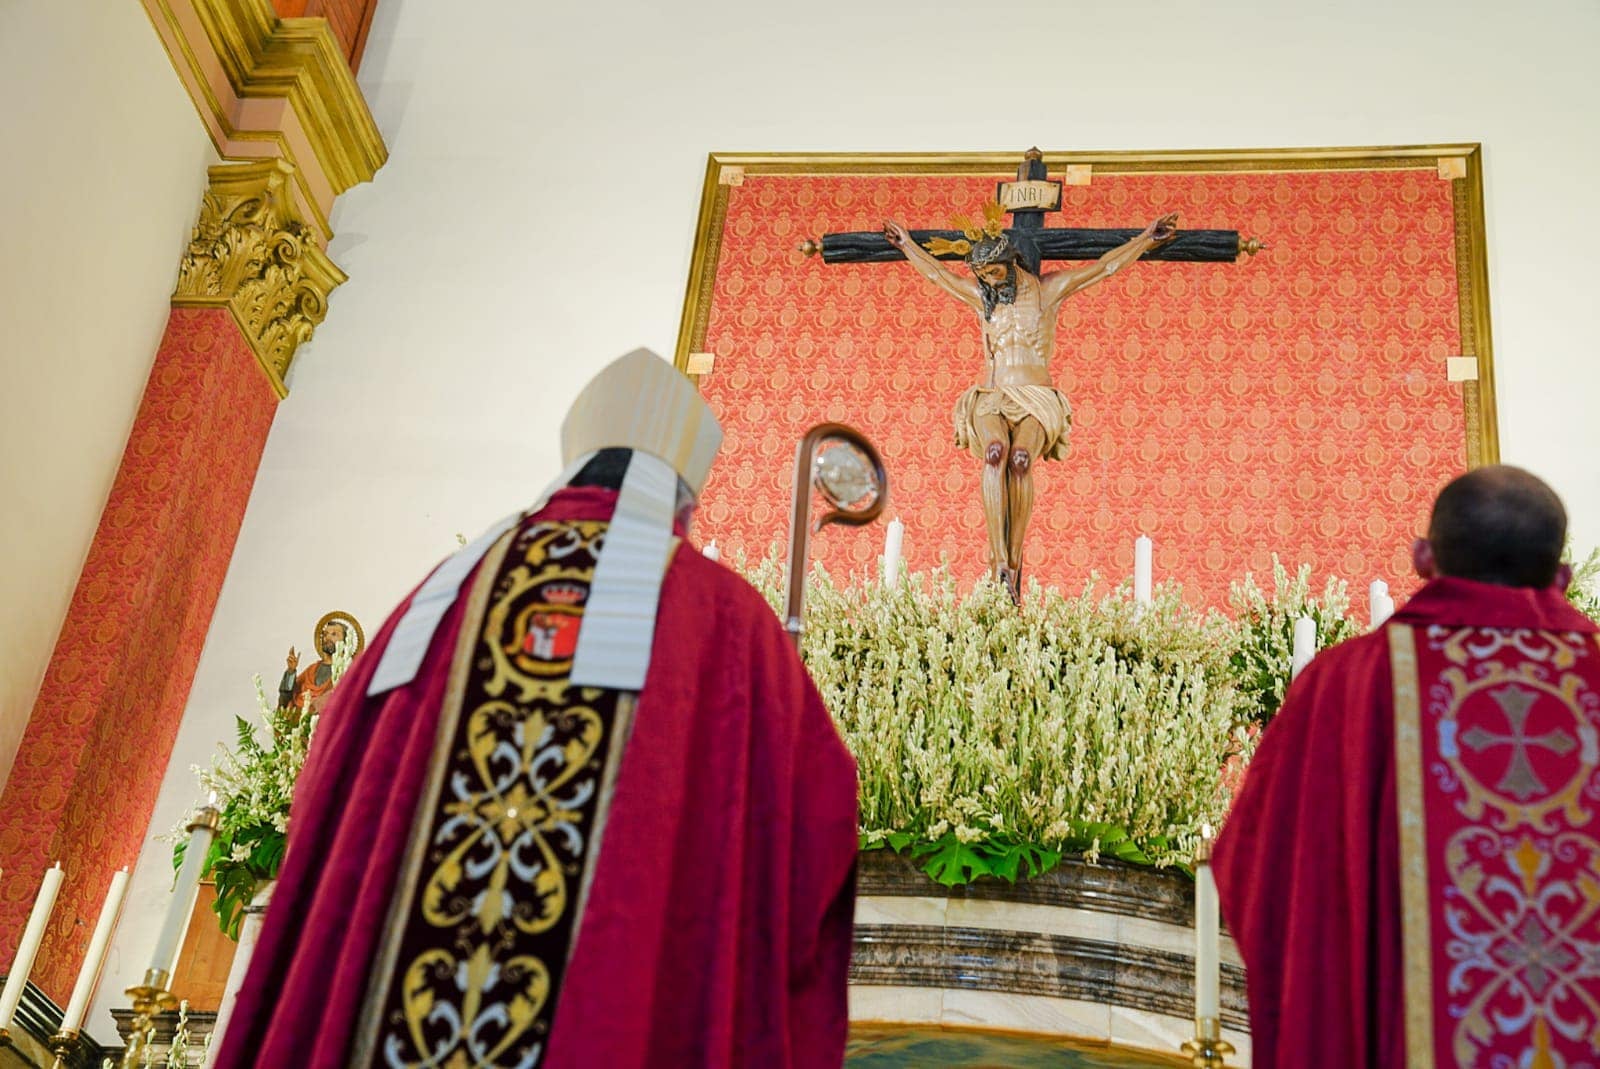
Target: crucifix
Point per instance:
(1015, 415)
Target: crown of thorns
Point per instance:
(980, 244)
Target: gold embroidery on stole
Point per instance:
(1416, 916)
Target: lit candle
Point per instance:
(28, 949)
(893, 540)
(1380, 604)
(1207, 935)
(1142, 547)
(711, 551)
(1305, 645)
(201, 829)
(89, 975)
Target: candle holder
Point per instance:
(149, 999)
(64, 1045)
(1207, 1050)
(207, 816)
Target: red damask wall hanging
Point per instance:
(1302, 402)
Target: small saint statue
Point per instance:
(1014, 415)
(303, 691)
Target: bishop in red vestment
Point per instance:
(1412, 868)
(498, 861)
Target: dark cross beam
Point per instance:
(1054, 243)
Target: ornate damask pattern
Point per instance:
(1508, 747)
(1294, 403)
(97, 744)
(511, 828)
(252, 253)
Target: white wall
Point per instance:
(105, 161)
(536, 216)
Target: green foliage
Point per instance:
(254, 782)
(951, 861)
(1584, 590)
(1265, 637)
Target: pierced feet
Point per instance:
(1011, 579)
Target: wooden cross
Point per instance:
(1027, 200)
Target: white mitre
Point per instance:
(643, 403)
(639, 402)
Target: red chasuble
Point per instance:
(1412, 869)
(488, 867)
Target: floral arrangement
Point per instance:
(1264, 642)
(254, 782)
(1584, 590)
(992, 741)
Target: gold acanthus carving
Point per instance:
(253, 254)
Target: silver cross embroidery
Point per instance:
(1520, 781)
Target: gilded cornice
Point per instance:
(299, 60)
(239, 60)
(252, 253)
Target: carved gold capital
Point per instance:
(252, 253)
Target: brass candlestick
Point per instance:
(149, 999)
(1208, 1050)
(64, 1044)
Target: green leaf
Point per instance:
(1006, 862)
(951, 861)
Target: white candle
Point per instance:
(1142, 547)
(1305, 645)
(1207, 935)
(1380, 604)
(164, 959)
(711, 551)
(99, 943)
(28, 949)
(893, 541)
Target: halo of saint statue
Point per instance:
(304, 689)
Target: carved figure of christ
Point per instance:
(1015, 415)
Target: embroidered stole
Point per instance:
(490, 898)
(1497, 744)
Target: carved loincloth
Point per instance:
(1046, 404)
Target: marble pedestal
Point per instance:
(1095, 953)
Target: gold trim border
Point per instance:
(1472, 304)
(1472, 269)
(1416, 914)
(244, 68)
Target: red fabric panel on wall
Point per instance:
(96, 748)
(1296, 402)
(348, 20)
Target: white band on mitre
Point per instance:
(642, 402)
(619, 619)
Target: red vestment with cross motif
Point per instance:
(1412, 868)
